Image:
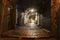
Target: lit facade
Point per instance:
(30, 16)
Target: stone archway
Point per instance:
(31, 16)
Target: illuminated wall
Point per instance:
(30, 16)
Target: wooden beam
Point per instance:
(3, 12)
(55, 4)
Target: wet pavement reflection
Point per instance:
(31, 32)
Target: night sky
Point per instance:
(43, 6)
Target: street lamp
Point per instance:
(32, 10)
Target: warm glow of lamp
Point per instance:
(32, 10)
